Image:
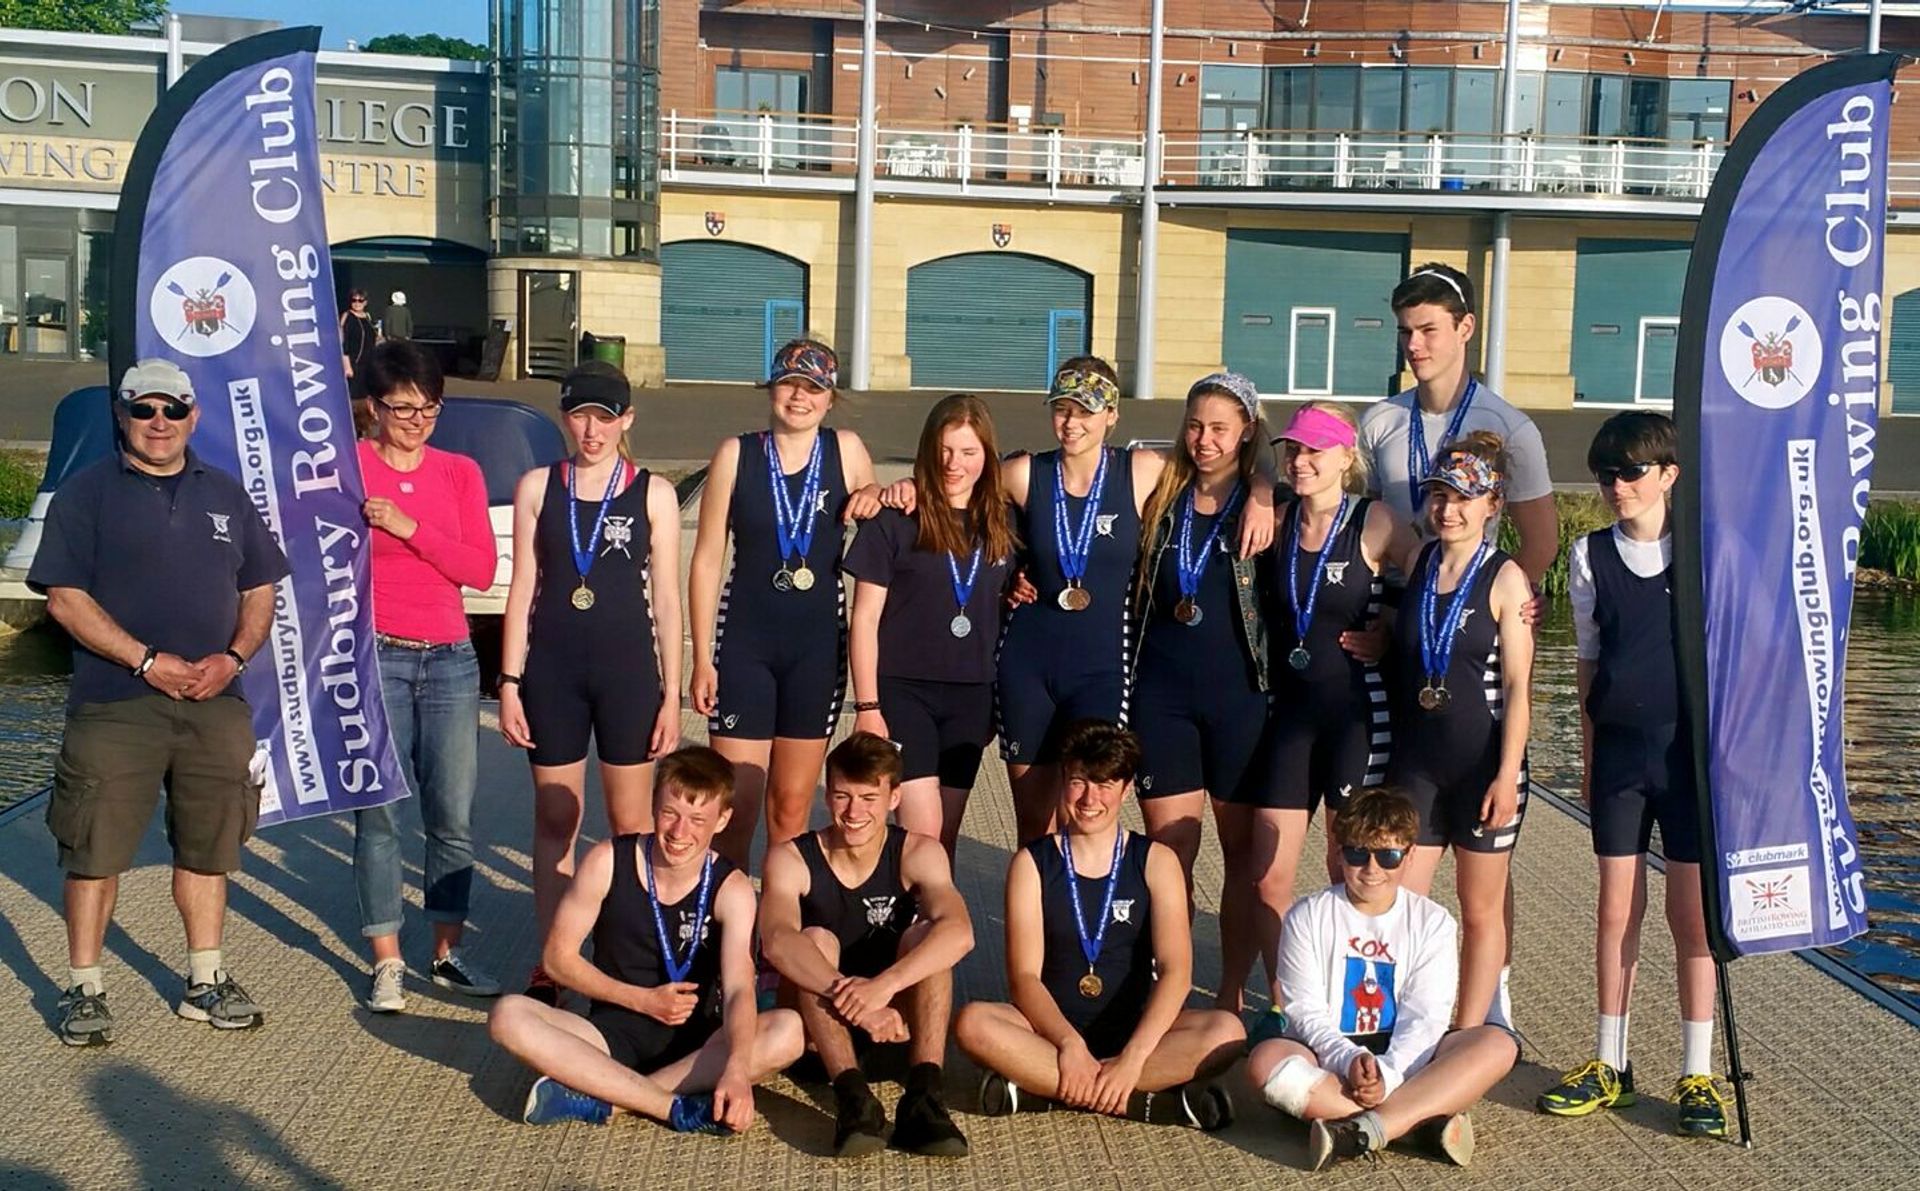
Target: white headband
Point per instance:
(1450, 282)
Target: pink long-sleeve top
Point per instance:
(416, 583)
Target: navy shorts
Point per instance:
(1305, 758)
(1450, 810)
(942, 728)
(1036, 704)
(1642, 777)
(787, 689)
(644, 1044)
(612, 705)
(1190, 741)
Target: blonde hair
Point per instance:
(1359, 472)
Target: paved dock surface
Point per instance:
(327, 1094)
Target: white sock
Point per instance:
(203, 966)
(86, 978)
(1611, 1046)
(1698, 1047)
(1500, 1013)
(1374, 1129)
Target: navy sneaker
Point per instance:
(550, 1102)
(694, 1114)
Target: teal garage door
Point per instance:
(995, 320)
(1307, 313)
(725, 308)
(1626, 319)
(1903, 354)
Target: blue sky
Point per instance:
(358, 19)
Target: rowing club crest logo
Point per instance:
(1002, 234)
(716, 222)
(1770, 352)
(203, 306)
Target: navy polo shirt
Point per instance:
(167, 558)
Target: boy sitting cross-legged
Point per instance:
(1371, 971)
(673, 1032)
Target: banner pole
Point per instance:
(1736, 1073)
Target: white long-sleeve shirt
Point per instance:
(1645, 559)
(1348, 974)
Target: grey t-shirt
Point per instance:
(1383, 439)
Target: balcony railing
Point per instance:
(771, 144)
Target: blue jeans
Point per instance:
(433, 711)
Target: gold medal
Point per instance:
(1091, 985)
(803, 578)
(583, 596)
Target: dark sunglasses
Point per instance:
(409, 413)
(1629, 472)
(145, 411)
(1389, 858)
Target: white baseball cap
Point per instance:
(156, 377)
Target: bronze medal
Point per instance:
(803, 578)
(1434, 698)
(1091, 985)
(1074, 598)
(1187, 612)
(583, 596)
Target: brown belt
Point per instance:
(407, 642)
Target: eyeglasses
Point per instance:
(1389, 858)
(145, 411)
(1629, 472)
(412, 413)
(358, 302)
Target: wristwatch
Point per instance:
(146, 662)
(239, 663)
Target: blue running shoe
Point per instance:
(1271, 1024)
(694, 1114)
(550, 1102)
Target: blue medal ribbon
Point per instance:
(1436, 642)
(583, 559)
(1303, 609)
(793, 523)
(1075, 542)
(1090, 947)
(962, 592)
(1418, 461)
(1191, 565)
(677, 969)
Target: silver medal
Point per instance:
(960, 626)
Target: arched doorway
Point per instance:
(995, 320)
(725, 308)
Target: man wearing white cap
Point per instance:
(163, 573)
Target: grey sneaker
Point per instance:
(84, 1020)
(224, 1005)
(455, 971)
(389, 993)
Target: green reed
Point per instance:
(1890, 538)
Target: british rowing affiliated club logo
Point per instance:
(1771, 352)
(716, 222)
(1772, 903)
(203, 306)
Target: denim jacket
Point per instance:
(1246, 589)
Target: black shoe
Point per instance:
(1193, 1105)
(860, 1123)
(1446, 1137)
(1001, 1097)
(921, 1125)
(1331, 1141)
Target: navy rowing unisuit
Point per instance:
(780, 652)
(592, 670)
(1125, 967)
(868, 919)
(1058, 666)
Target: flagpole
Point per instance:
(1735, 1072)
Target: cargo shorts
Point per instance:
(115, 759)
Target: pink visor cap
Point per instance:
(1317, 430)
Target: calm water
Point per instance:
(1883, 742)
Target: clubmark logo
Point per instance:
(1770, 352)
(1771, 903)
(203, 306)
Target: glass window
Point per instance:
(1230, 82)
(1645, 116)
(1380, 89)
(1697, 109)
(9, 289)
(1526, 101)
(1427, 99)
(1289, 97)
(740, 90)
(1607, 106)
(1335, 92)
(1562, 112)
(96, 258)
(1476, 101)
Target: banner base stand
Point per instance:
(1737, 1073)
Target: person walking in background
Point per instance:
(590, 642)
(163, 573)
(769, 648)
(396, 321)
(358, 336)
(927, 608)
(431, 537)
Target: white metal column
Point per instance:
(1494, 326)
(862, 353)
(1150, 210)
(1873, 27)
(176, 61)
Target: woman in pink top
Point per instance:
(431, 537)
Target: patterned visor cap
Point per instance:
(806, 361)
(1232, 383)
(1466, 473)
(1089, 390)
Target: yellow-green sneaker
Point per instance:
(1589, 1089)
(1703, 1108)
